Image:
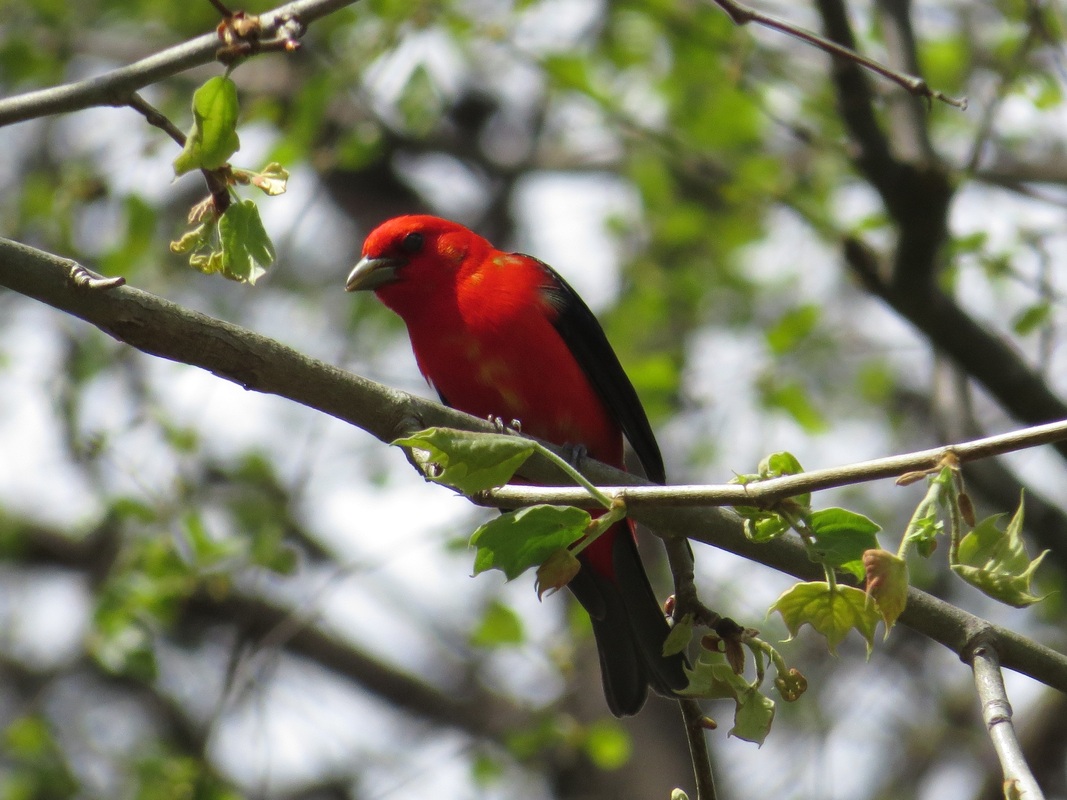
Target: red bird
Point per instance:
(502, 335)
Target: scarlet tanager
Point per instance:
(502, 335)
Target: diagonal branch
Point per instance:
(116, 87)
(164, 329)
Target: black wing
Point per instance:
(583, 335)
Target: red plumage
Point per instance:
(501, 334)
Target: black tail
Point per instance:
(629, 629)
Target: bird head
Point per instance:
(413, 256)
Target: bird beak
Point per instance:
(370, 273)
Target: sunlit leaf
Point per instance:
(469, 462)
(518, 540)
(841, 537)
(996, 562)
(712, 678)
(213, 138)
(832, 611)
(247, 250)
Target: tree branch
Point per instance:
(164, 329)
(996, 713)
(766, 493)
(116, 87)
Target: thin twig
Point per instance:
(223, 11)
(742, 15)
(217, 183)
(156, 117)
(115, 88)
(696, 723)
(989, 115)
(1019, 780)
(767, 492)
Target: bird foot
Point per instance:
(574, 453)
(515, 426)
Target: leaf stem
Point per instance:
(602, 498)
(800, 522)
(598, 526)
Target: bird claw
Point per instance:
(574, 453)
(515, 426)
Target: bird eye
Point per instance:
(412, 243)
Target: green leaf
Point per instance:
(35, 765)
(544, 734)
(193, 240)
(607, 744)
(778, 464)
(518, 540)
(678, 639)
(1031, 318)
(996, 563)
(792, 397)
(420, 102)
(129, 651)
(28, 737)
(267, 547)
(842, 537)
(272, 180)
(833, 612)
(500, 626)
(213, 138)
(793, 327)
(207, 551)
(712, 678)
(469, 462)
(924, 531)
(765, 527)
(163, 775)
(761, 524)
(247, 250)
(487, 767)
(753, 717)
